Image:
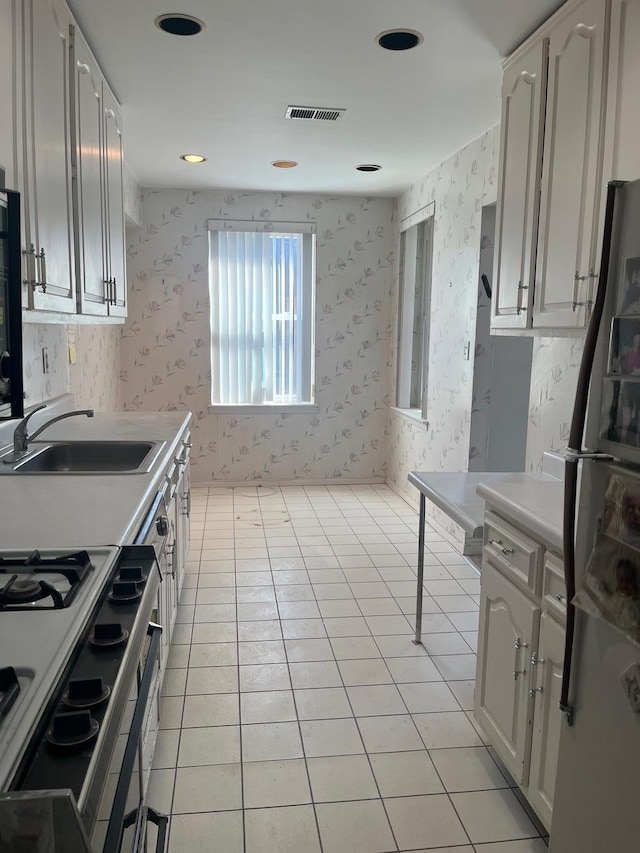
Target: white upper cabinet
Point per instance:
(114, 186)
(89, 196)
(521, 134)
(552, 172)
(69, 166)
(572, 169)
(49, 264)
(622, 151)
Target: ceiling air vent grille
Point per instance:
(315, 113)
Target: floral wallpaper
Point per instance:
(93, 379)
(459, 187)
(39, 386)
(164, 351)
(554, 378)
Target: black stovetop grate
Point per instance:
(24, 590)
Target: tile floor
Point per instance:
(297, 715)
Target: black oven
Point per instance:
(106, 774)
(11, 391)
(124, 816)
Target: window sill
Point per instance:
(264, 409)
(414, 415)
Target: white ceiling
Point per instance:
(223, 93)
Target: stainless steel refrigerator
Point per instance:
(597, 795)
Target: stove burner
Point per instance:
(22, 590)
(34, 578)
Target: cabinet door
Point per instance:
(89, 196)
(48, 186)
(547, 717)
(171, 597)
(623, 116)
(508, 633)
(572, 169)
(184, 522)
(114, 185)
(523, 100)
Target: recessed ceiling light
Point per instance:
(193, 158)
(284, 164)
(177, 24)
(399, 39)
(368, 167)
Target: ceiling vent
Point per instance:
(315, 113)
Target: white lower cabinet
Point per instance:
(508, 630)
(519, 670)
(547, 684)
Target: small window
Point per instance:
(262, 287)
(413, 327)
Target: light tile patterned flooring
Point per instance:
(297, 715)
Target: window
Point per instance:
(413, 328)
(262, 286)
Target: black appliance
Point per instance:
(11, 390)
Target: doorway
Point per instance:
(501, 378)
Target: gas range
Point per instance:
(76, 632)
(39, 632)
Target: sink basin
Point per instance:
(91, 457)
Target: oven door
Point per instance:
(124, 815)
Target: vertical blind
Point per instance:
(262, 298)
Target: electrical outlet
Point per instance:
(45, 360)
(630, 680)
(467, 350)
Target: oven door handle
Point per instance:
(113, 839)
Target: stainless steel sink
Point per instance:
(90, 457)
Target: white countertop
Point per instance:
(455, 494)
(532, 501)
(80, 510)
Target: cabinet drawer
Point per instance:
(554, 592)
(512, 552)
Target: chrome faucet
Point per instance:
(21, 437)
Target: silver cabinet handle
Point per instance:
(495, 541)
(43, 271)
(561, 598)
(535, 660)
(114, 297)
(519, 644)
(508, 551)
(30, 266)
(517, 672)
(534, 690)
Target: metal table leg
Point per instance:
(421, 523)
